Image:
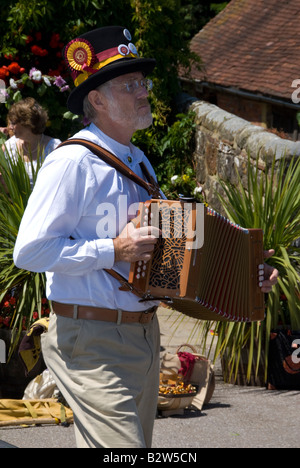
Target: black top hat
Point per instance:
(98, 56)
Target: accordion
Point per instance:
(205, 265)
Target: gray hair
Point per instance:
(88, 109)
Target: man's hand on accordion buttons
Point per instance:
(134, 244)
(270, 274)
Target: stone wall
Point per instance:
(223, 142)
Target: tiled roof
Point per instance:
(253, 45)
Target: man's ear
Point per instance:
(96, 99)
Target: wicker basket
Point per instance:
(174, 402)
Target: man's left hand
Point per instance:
(270, 273)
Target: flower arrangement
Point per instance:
(39, 51)
(40, 73)
(35, 77)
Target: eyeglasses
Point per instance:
(132, 86)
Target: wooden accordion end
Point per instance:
(205, 265)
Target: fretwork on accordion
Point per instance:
(209, 267)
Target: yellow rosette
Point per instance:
(78, 53)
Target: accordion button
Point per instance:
(138, 276)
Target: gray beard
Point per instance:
(138, 122)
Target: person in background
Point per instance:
(27, 121)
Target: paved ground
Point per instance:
(236, 417)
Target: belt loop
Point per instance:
(119, 321)
(75, 312)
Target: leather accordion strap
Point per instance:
(151, 186)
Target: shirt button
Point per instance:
(129, 159)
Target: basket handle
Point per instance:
(189, 346)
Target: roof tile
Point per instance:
(253, 45)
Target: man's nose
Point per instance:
(142, 92)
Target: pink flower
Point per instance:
(59, 81)
(64, 88)
(61, 84)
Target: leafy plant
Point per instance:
(271, 202)
(22, 293)
(170, 149)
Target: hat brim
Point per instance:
(121, 67)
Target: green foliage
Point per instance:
(162, 32)
(26, 288)
(271, 202)
(171, 152)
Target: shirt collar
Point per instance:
(130, 155)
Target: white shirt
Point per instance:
(78, 196)
(12, 150)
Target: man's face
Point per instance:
(128, 105)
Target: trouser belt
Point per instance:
(106, 315)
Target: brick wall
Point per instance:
(244, 108)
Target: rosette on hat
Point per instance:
(78, 53)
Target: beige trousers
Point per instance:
(109, 375)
